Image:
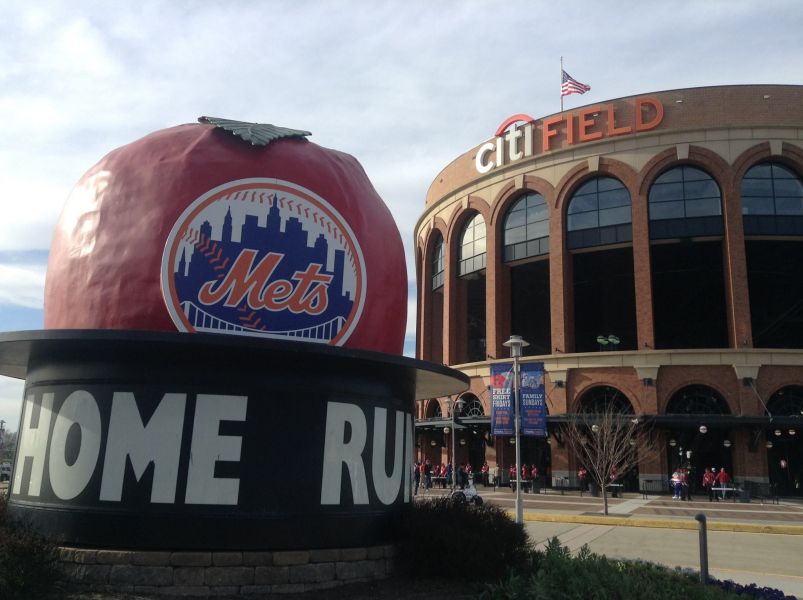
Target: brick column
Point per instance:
(642, 273)
(560, 285)
(497, 296)
(749, 463)
(737, 297)
(451, 312)
(425, 329)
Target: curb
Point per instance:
(664, 523)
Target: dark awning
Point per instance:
(663, 421)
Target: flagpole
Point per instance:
(561, 83)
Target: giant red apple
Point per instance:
(196, 229)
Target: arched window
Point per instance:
(471, 407)
(472, 246)
(526, 228)
(437, 264)
(604, 399)
(599, 214)
(684, 202)
(772, 200)
(697, 400)
(434, 410)
(787, 402)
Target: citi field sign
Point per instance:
(521, 136)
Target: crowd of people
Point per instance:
(426, 475)
(716, 483)
(711, 480)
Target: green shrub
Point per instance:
(445, 539)
(28, 562)
(556, 575)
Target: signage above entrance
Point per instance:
(521, 136)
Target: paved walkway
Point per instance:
(747, 542)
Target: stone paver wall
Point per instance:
(222, 573)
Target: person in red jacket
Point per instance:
(708, 483)
(722, 480)
(512, 473)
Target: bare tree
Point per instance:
(607, 442)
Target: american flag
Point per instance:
(570, 85)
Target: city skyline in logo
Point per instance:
(264, 260)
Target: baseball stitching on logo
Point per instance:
(192, 240)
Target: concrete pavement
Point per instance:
(747, 542)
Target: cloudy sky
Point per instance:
(403, 86)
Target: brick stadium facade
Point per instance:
(671, 223)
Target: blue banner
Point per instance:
(502, 399)
(533, 400)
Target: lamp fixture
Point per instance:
(792, 432)
(673, 443)
(778, 433)
(768, 444)
(433, 443)
(703, 429)
(727, 443)
(595, 428)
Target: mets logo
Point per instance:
(264, 257)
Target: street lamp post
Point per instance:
(516, 343)
(454, 405)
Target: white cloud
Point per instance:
(11, 401)
(22, 285)
(404, 87)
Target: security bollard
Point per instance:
(703, 548)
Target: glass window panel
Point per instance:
(607, 235)
(789, 206)
(581, 204)
(582, 221)
(781, 172)
(762, 170)
(609, 183)
(788, 187)
(670, 176)
(515, 219)
(479, 246)
(666, 191)
(537, 230)
(589, 187)
(701, 189)
(614, 198)
(614, 216)
(757, 187)
(666, 210)
(694, 174)
(704, 207)
(758, 206)
(519, 204)
(538, 212)
(514, 236)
